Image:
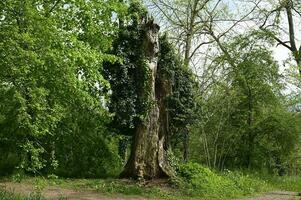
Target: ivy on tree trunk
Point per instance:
(148, 156)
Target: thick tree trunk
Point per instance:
(148, 155)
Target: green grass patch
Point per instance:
(108, 187)
(5, 195)
(193, 181)
(201, 181)
(288, 183)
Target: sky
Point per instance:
(237, 9)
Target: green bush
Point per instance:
(8, 161)
(88, 156)
(247, 184)
(199, 180)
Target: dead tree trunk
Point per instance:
(148, 155)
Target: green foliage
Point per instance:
(110, 187)
(181, 102)
(73, 72)
(276, 141)
(88, 155)
(51, 85)
(287, 183)
(183, 87)
(34, 163)
(4, 195)
(247, 183)
(7, 196)
(202, 181)
(193, 182)
(243, 120)
(173, 160)
(129, 76)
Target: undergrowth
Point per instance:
(192, 181)
(288, 183)
(196, 180)
(5, 195)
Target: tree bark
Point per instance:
(296, 53)
(148, 155)
(186, 146)
(250, 133)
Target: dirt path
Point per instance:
(70, 194)
(277, 195)
(54, 193)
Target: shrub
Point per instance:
(247, 184)
(199, 180)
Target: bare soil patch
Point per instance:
(277, 195)
(55, 192)
(52, 192)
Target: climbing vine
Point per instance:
(180, 102)
(129, 75)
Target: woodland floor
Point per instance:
(277, 195)
(55, 192)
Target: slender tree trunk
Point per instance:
(186, 145)
(298, 60)
(295, 51)
(250, 134)
(187, 49)
(187, 58)
(148, 156)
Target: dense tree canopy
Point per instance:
(51, 56)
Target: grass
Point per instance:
(201, 181)
(109, 187)
(193, 182)
(5, 195)
(288, 183)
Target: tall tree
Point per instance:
(185, 22)
(50, 60)
(137, 95)
(147, 80)
(190, 23)
(250, 93)
(281, 18)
